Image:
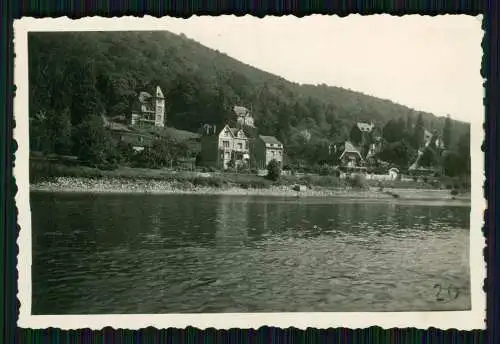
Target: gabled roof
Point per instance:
(348, 147)
(159, 93)
(270, 139)
(365, 126)
(144, 96)
(233, 131)
(241, 111)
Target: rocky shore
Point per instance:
(116, 185)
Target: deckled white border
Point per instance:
(463, 320)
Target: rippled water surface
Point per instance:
(190, 253)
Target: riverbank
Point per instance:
(115, 185)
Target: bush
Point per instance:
(434, 183)
(326, 170)
(454, 192)
(273, 170)
(357, 181)
(108, 166)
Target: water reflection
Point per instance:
(160, 254)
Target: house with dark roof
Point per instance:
(265, 149)
(348, 156)
(226, 148)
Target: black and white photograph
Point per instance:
(242, 171)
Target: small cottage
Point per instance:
(348, 156)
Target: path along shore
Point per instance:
(111, 185)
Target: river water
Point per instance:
(109, 254)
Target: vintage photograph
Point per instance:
(237, 165)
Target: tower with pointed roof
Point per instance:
(151, 111)
(160, 108)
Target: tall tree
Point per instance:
(418, 132)
(86, 100)
(447, 132)
(59, 131)
(393, 131)
(409, 125)
(93, 145)
(464, 153)
(356, 136)
(429, 158)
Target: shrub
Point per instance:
(454, 192)
(434, 183)
(273, 170)
(108, 166)
(326, 170)
(357, 181)
(380, 185)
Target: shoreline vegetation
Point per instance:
(163, 181)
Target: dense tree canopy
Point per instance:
(75, 77)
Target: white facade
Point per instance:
(152, 111)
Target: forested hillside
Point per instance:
(76, 76)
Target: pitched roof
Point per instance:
(349, 147)
(144, 96)
(269, 139)
(234, 131)
(240, 110)
(159, 93)
(365, 126)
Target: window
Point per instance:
(279, 153)
(246, 144)
(225, 144)
(240, 145)
(272, 153)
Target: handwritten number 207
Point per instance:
(446, 294)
